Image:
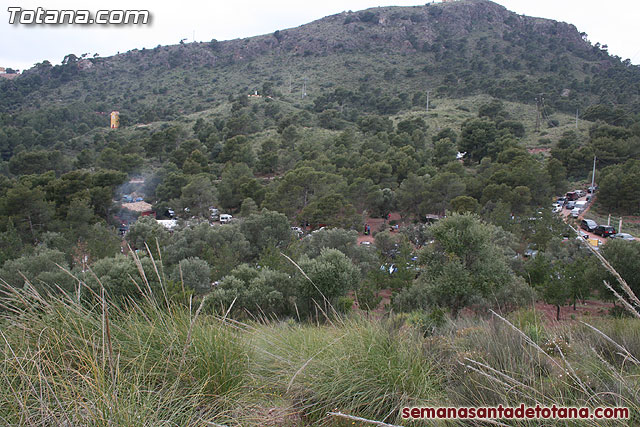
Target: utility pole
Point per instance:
(593, 175)
(304, 87)
(538, 114)
(428, 92)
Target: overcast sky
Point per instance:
(22, 46)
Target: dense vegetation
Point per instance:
(499, 141)
(157, 362)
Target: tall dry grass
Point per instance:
(65, 363)
(157, 362)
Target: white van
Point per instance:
(578, 208)
(582, 205)
(225, 218)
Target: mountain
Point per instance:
(454, 49)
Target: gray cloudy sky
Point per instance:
(24, 45)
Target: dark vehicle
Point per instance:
(572, 195)
(588, 225)
(593, 189)
(605, 230)
(570, 205)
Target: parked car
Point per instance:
(588, 225)
(624, 236)
(575, 212)
(593, 189)
(571, 195)
(561, 201)
(580, 206)
(557, 209)
(580, 193)
(225, 218)
(605, 230)
(570, 205)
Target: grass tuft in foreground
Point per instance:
(163, 362)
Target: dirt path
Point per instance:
(566, 215)
(379, 224)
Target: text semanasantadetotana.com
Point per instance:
(515, 413)
(40, 16)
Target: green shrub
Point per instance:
(530, 322)
(427, 321)
(344, 305)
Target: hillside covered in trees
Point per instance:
(451, 128)
(326, 124)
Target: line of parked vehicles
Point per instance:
(604, 230)
(217, 216)
(571, 202)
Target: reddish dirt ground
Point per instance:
(379, 224)
(385, 294)
(584, 310)
(588, 309)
